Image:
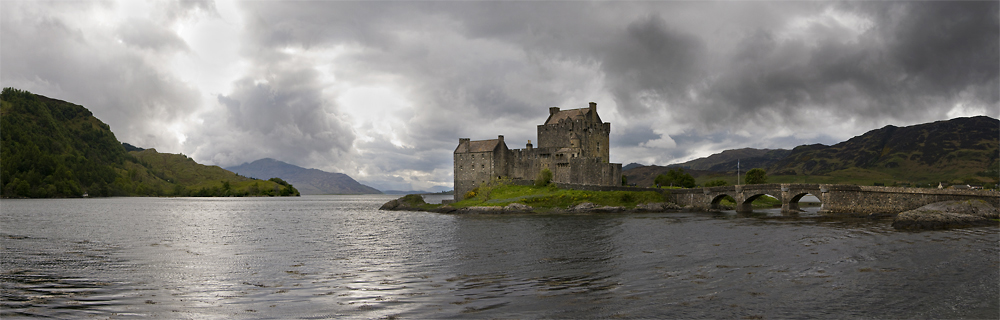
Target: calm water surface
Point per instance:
(318, 257)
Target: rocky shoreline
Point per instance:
(939, 215)
(948, 214)
(404, 204)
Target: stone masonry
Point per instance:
(573, 144)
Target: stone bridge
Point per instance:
(835, 198)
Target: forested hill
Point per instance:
(308, 181)
(53, 148)
(965, 149)
(960, 150)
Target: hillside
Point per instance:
(308, 181)
(727, 160)
(190, 178)
(960, 149)
(644, 176)
(52, 148)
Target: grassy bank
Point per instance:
(551, 197)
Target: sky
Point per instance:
(383, 90)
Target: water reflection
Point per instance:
(537, 259)
(336, 257)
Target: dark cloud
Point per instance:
(45, 53)
(677, 79)
(915, 61)
(284, 116)
(651, 60)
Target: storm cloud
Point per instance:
(383, 90)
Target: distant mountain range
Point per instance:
(960, 149)
(307, 181)
(743, 158)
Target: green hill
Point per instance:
(188, 178)
(52, 148)
(727, 160)
(962, 150)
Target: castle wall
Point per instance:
(525, 164)
(594, 137)
(576, 150)
(472, 169)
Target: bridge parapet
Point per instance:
(835, 198)
(876, 200)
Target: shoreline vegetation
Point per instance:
(55, 149)
(496, 197)
(499, 197)
(547, 199)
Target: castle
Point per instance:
(573, 144)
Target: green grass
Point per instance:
(179, 175)
(551, 198)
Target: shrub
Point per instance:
(716, 183)
(675, 177)
(471, 194)
(544, 178)
(756, 176)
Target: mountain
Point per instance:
(957, 149)
(307, 181)
(52, 149)
(201, 180)
(644, 176)
(631, 166)
(747, 158)
(960, 150)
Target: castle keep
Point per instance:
(573, 144)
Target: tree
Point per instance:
(675, 177)
(544, 178)
(716, 183)
(756, 176)
(624, 180)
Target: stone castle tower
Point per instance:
(573, 144)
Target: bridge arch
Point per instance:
(715, 204)
(793, 202)
(747, 204)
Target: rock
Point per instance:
(444, 209)
(948, 214)
(583, 207)
(391, 205)
(410, 202)
(518, 208)
(608, 209)
(481, 210)
(656, 207)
